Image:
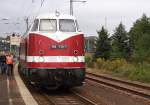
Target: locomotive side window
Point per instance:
(35, 25)
(67, 25)
(48, 25)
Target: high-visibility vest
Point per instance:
(9, 59)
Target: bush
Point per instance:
(110, 65)
(141, 73)
(89, 60)
(121, 68)
(100, 63)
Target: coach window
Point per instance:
(48, 25)
(67, 25)
(35, 25)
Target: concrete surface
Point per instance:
(13, 91)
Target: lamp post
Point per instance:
(71, 5)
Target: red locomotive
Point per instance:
(52, 52)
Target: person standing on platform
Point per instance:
(3, 63)
(9, 62)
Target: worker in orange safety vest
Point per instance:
(9, 62)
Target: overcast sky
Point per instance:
(91, 15)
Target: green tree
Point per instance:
(140, 38)
(103, 45)
(120, 43)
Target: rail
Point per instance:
(134, 88)
(68, 99)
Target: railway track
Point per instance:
(129, 87)
(58, 97)
(70, 98)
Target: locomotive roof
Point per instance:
(54, 16)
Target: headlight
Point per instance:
(75, 59)
(41, 59)
(75, 52)
(41, 52)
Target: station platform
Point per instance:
(13, 91)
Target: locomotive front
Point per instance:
(55, 51)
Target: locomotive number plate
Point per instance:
(58, 46)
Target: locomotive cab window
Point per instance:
(67, 25)
(48, 25)
(35, 25)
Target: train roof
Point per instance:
(55, 16)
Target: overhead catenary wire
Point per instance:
(27, 13)
(34, 17)
(42, 2)
(28, 9)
